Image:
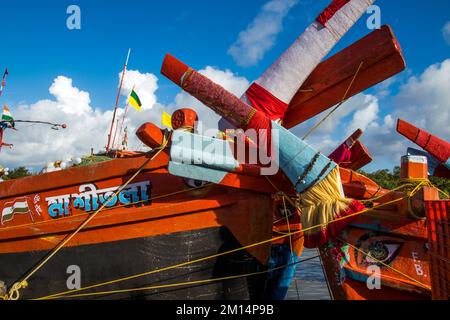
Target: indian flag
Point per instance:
(7, 118)
(135, 101)
(19, 207)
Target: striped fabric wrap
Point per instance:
(330, 11)
(262, 100)
(284, 78)
(217, 98)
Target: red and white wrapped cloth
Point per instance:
(275, 89)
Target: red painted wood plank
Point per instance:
(382, 57)
(437, 147)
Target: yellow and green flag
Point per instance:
(135, 101)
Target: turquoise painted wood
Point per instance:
(296, 155)
(201, 158)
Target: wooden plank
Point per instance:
(437, 147)
(382, 58)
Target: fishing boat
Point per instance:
(404, 242)
(187, 221)
(157, 221)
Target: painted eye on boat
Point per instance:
(195, 183)
(381, 249)
(384, 252)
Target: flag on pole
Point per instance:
(135, 101)
(3, 81)
(166, 120)
(125, 138)
(7, 121)
(1, 137)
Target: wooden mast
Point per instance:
(108, 146)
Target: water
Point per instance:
(309, 283)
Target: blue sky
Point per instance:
(37, 47)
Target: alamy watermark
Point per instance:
(374, 20)
(374, 280)
(73, 21)
(235, 148)
(74, 280)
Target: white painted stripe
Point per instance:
(285, 77)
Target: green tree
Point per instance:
(18, 173)
(391, 179)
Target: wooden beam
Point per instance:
(437, 147)
(326, 86)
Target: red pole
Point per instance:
(108, 146)
(115, 133)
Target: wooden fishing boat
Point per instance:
(403, 243)
(157, 221)
(385, 244)
(156, 226)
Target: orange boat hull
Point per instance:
(158, 221)
(384, 253)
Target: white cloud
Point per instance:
(260, 35)
(144, 84)
(423, 100)
(88, 127)
(446, 32)
(358, 112)
(364, 117)
(35, 145)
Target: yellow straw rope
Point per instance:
(218, 254)
(205, 281)
(179, 284)
(344, 99)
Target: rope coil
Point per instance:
(323, 225)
